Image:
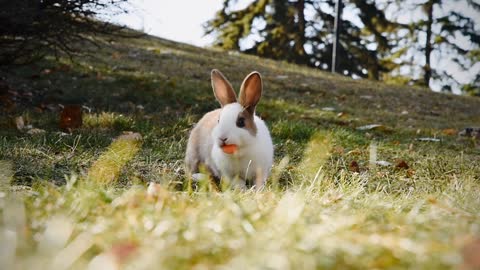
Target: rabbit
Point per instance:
(232, 143)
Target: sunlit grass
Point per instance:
(90, 201)
(107, 167)
(324, 219)
(107, 120)
(319, 225)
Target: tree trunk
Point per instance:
(428, 44)
(300, 42)
(336, 29)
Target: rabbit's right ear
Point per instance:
(222, 89)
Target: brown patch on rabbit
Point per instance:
(248, 122)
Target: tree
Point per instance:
(445, 32)
(282, 31)
(31, 29)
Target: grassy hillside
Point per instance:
(340, 196)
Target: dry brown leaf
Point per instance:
(71, 117)
(354, 167)
(401, 164)
(450, 132)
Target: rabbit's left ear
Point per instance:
(222, 89)
(251, 91)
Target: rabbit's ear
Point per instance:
(222, 88)
(251, 91)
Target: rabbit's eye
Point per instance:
(241, 122)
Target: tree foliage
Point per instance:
(374, 43)
(30, 29)
(282, 30)
(443, 33)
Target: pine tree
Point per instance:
(31, 29)
(231, 26)
(443, 31)
(286, 34)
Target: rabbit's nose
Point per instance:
(223, 139)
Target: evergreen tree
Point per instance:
(31, 29)
(379, 47)
(286, 34)
(442, 31)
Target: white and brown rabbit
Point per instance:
(232, 142)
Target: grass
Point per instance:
(326, 204)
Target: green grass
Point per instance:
(316, 212)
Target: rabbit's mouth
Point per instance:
(229, 148)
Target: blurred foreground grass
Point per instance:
(339, 197)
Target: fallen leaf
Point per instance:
(354, 167)
(71, 117)
(19, 123)
(450, 132)
(401, 164)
